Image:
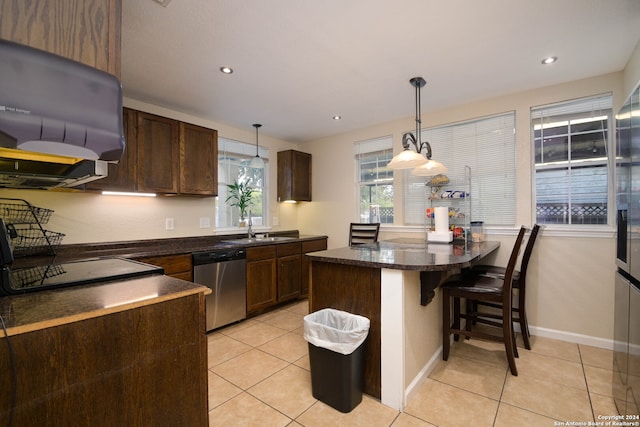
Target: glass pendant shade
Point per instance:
(429, 168)
(406, 160)
(257, 162)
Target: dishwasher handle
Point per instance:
(211, 257)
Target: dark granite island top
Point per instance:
(392, 284)
(409, 254)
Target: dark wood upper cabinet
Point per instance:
(198, 160)
(122, 176)
(164, 156)
(294, 176)
(87, 31)
(158, 154)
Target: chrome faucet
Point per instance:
(250, 232)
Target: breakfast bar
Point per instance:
(394, 284)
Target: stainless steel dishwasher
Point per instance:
(224, 271)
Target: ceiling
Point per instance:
(297, 63)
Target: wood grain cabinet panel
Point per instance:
(158, 150)
(305, 271)
(289, 267)
(122, 175)
(261, 279)
(145, 366)
(294, 176)
(87, 31)
(164, 156)
(198, 160)
(178, 266)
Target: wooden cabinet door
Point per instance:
(86, 31)
(288, 277)
(198, 160)
(309, 246)
(294, 176)
(261, 278)
(122, 176)
(158, 154)
(178, 266)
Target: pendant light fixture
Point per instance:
(257, 162)
(408, 159)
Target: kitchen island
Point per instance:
(128, 352)
(394, 284)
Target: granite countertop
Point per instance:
(39, 310)
(408, 254)
(173, 246)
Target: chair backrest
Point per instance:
(527, 253)
(511, 266)
(361, 233)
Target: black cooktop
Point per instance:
(50, 275)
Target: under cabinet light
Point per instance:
(125, 193)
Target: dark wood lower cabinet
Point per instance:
(261, 279)
(178, 266)
(289, 268)
(140, 367)
(278, 273)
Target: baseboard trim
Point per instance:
(572, 337)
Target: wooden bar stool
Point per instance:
(519, 283)
(487, 289)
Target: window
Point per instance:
(233, 164)
(571, 143)
(487, 145)
(375, 180)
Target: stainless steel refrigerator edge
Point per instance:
(224, 271)
(626, 359)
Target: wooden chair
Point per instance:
(361, 233)
(519, 283)
(481, 288)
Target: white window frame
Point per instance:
(227, 217)
(577, 109)
(382, 148)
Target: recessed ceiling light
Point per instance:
(226, 70)
(550, 60)
(337, 117)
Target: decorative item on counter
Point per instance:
(477, 231)
(451, 194)
(440, 179)
(240, 196)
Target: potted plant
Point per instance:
(240, 196)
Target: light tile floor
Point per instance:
(259, 376)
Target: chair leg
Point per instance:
(522, 316)
(471, 309)
(456, 317)
(509, 343)
(446, 324)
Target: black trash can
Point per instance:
(336, 355)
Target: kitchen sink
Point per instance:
(261, 239)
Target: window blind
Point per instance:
(487, 146)
(374, 181)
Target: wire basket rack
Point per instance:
(26, 232)
(34, 276)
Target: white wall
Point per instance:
(570, 286)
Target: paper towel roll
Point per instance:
(442, 219)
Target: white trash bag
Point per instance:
(336, 330)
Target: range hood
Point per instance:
(60, 120)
